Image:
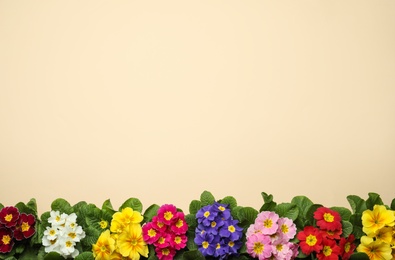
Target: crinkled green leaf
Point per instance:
(191, 221)
(85, 256)
(347, 228)
(190, 240)
(374, 199)
(287, 210)
(309, 221)
(150, 212)
(268, 204)
(1, 206)
(133, 203)
(247, 216)
(195, 206)
(207, 198)
(193, 255)
(357, 204)
(345, 213)
(62, 206)
(53, 256)
(303, 204)
(393, 204)
(231, 201)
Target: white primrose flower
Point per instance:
(57, 219)
(51, 233)
(63, 234)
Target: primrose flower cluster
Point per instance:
(326, 241)
(166, 231)
(379, 227)
(269, 237)
(14, 227)
(125, 241)
(63, 234)
(217, 233)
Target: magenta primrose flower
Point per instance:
(266, 222)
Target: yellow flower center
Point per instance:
(221, 208)
(57, 218)
(284, 228)
(205, 244)
(103, 248)
(177, 239)
(207, 214)
(258, 248)
(6, 239)
(179, 223)
(279, 247)
(328, 217)
(165, 251)
(8, 217)
(25, 226)
(347, 247)
(133, 242)
(161, 240)
(151, 232)
(267, 223)
(72, 225)
(72, 235)
(103, 224)
(213, 224)
(52, 232)
(311, 240)
(231, 243)
(231, 229)
(218, 246)
(69, 244)
(53, 241)
(160, 224)
(168, 215)
(327, 250)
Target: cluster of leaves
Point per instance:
(301, 210)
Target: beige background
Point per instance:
(161, 100)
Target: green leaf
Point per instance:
(207, 198)
(44, 219)
(287, 210)
(393, 204)
(374, 199)
(195, 206)
(229, 200)
(29, 254)
(19, 248)
(25, 209)
(268, 204)
(357, 203)
(133, 203)
(1, 206)
(53, 256)
(309, 221)
(150, 212)
(85, 256)
(190, 240)
(303, 204)
(359, 256)
(62, 206)
(151, 253)
(347, 228)
(357, 232)
(345, 213)
(191, 221)
(247, 216)
(193, 255)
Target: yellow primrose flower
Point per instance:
(376, 250)
(376, 219)
(131, 243)
(104, 246)
(122, 219)
(383, 234)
